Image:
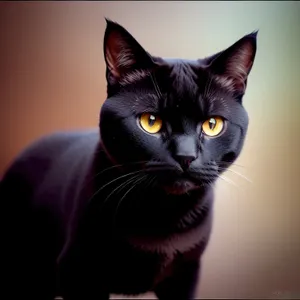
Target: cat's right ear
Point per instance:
(124, 56)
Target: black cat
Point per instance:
(127, 209)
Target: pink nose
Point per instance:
(185, 161)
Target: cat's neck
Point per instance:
(170, 228)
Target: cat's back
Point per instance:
(60, 147)
(50, 164)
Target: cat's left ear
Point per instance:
(232, 66)
(124, 56)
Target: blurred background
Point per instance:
(52, 77)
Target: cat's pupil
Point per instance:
(212, 123)
(151, 120)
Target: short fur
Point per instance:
(118, 210)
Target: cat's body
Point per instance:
(49, 200)
(130, 212)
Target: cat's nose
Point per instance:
(185, 160)
(184, 148)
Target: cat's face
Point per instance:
(183, 119)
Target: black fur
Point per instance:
(66, 227)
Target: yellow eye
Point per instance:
(213, 126)
(151, 123)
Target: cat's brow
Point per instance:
(148, 102)
(134, 77)
(216, 104)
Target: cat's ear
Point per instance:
(123, 54)
(232, 66)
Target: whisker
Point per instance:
(119, 188)
(121, 165)
(125, 165)
(237, 173)
(153, 181)
(231, 182)
(114, 166)
(125, 175)
(138, 181)
(112, 181)
(238, 165)
(233, 164)
(228, 180)
(149, 182)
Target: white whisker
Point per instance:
(122, 199)
(120, 187)
(238, 173)
(112, 181)
(228, 180)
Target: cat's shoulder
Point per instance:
(62, 140)
(48, 148)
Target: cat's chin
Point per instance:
(180, 187)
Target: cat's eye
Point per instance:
(151, 123)
(213, 126)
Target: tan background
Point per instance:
(52, 78)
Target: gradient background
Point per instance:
(52, 77)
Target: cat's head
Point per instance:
(183, 120)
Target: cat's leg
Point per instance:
(86, 289)
(80, 279)
(24, 278)
(25, 271)
(181, 284)
(85, 294)
(31, 267)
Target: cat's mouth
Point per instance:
(178, 182)
(180, 186)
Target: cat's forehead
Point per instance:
(181, 80)
(189, 86)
